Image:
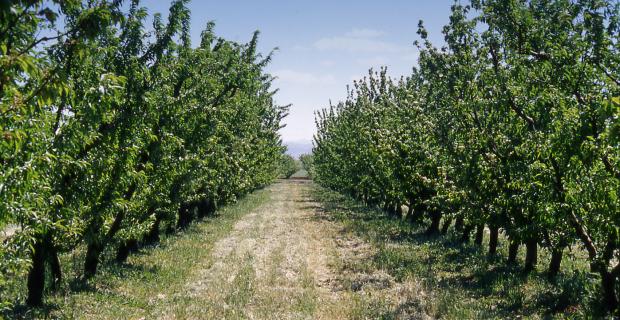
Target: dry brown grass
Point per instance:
(274, 255)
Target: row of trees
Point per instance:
(288, 166)
(307, 163)
(110, 134)
(513, 125)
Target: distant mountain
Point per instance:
(297, 148)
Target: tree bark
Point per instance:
(433, 229)
(153, 235)
(36, 275)
(392, 210)
(122, 252)
(556, 261)
(409, 210)
(184, 216)
(96, 246)
(466, 233)
(91, 261)
(399, 210)
(513, 250)
(608, 279)
(98, 243)
(125, 248)
(610, 298)
(386, 207)
(54, 262)
(205, 208)
(479, 235)
(531, 254)
(446, 225)
(458, 224)
(416, 212)
(170, 228)
(493, 237)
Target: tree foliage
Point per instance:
(307, 163)
(110, 133)
(512, 125)
(288, 166)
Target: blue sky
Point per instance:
(323, 45)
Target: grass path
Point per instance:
(272, 265)
(152, 284)
(274, 255)
(285, 260)
(295, 250)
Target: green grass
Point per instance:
(300, 174)
(145, 286)
(462, 281)
(459, 281)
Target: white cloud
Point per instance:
(361, 41)
(305, 78)
(364, 33)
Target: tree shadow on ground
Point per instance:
(459, 270)
(22, 311)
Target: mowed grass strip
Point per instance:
(153, 281)
(460, 280)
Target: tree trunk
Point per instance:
(125, 248)
(36, 275)
(54, 262)
(433, 229)
(91, 262)
(493, 236)
(170, 228)
(556, 261)
(458, 224)
(446, 225)
(410, 208)
(184, 216)
(386, 207)
(201, 212)
(608, 279)
(392, 210)
(466, 232)
(122, 252)
(513, 250)
(153, 235)
(479, 234)
(416, 213)
(531, 254)
(205, 208)
(96, 246)
(610, 298)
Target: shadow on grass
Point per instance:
(463, 279)
(22, 311)
(303, 200)
(126, 270)
(109, 272)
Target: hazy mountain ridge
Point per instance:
(297, 148)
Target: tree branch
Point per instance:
(511, 103)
